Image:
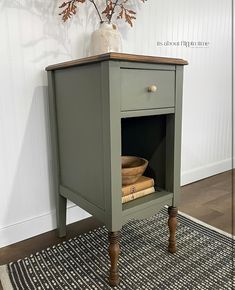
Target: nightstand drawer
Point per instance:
(147, 89)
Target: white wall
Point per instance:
(33, 36)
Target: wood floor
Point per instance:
(209, 200)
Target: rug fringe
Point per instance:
(5, 279)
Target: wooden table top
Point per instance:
(119, 57)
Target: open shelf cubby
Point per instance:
(148, 137)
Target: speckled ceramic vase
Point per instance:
(105, 39)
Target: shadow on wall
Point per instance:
(70, 39)
(32, 191)
(64, 39)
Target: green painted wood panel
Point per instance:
(177, 134)
(79, 117)
(145, 207)
(146, 66)
(169, 169)
(112, 143)
(148, 112)
(83, 203)
(134, 89)
(60, 201)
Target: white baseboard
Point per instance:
(37, 225)
(205, 171)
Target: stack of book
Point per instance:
(143, 186)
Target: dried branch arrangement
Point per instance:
(111, 7)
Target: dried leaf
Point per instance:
(108, 9)
(128, 20)
(126, 14)
(131, 11)
(70, 9)
(62, 5)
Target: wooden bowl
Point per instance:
(132, 168)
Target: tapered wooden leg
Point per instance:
(61, 216)
(172, 223)
(114, 250)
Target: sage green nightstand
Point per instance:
(106, 106)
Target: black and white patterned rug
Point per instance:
(204, 260)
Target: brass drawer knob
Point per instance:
(152, 89)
